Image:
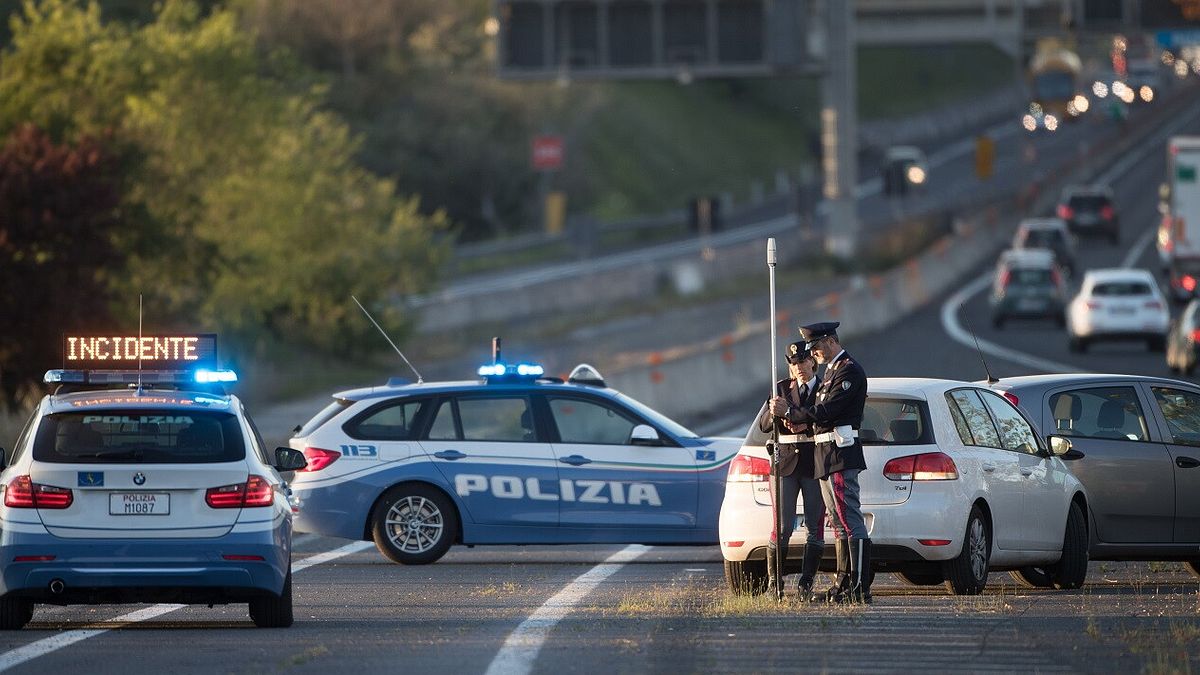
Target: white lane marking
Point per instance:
(520, 650)
(15, 657)
(1140, 247)
(954, 330)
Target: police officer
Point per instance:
(835, 417)
(794, 464)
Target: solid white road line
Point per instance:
(16, 657)
(520, 650)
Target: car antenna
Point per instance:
(990, 378)
(385, 337)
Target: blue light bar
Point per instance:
(529, 370)
(57, 376)
(212, 376)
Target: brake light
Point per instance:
(1194, 336)
(23, 493)
(1108, 212)
(1065, 212)
(1005, 277)
(1092, 304)
(33, 558)
(747, 469)
(1012, 398)
(1188, 282)
(256, 491)
(318, 458)
(1055, 277)
(925, 466)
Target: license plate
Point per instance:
(139, 504)
(1029, 304)
(1121, 311)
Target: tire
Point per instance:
(15, 613)
(920, 577)
(1031, 577)
(746, 577)
(967, 574)
(414, 524)
(274, 611)
(1071, 570)
(1194, 566)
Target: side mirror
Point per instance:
(1064, 448)
(289, 459)
(644, 434)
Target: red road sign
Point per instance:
(547, 152)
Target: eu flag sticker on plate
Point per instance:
(91, 479)
(706, 455)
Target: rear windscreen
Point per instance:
(1030, 277)
(886, 421)
(1042, 238)
(1114, 289)
(1088, 202)
(327, 413)
(139, 436)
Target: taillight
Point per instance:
(23, 493)
(1092, 304)
(1065, 212)
(747, 469)
(1195, 335)
(1188, 283)
(925, 466)
(1005, 277)
(1108, 212)
(319, 458)
(1012, 398)
(256, 491)
(1055, 277)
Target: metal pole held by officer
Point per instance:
(774, 559)
(834, 417)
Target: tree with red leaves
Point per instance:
(58, 211)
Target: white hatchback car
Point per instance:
(1118, 304)
(957, 484)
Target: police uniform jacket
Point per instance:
(792, 456)
(840, 399)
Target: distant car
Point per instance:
(1183, 340)
(1090, 211)
(512, 458)
(1051, 234)
(958, 483)
(1028, 284)
(1135, 445)
(1115, 305)
(1145, 79)
(1183, 279)
(904, 167)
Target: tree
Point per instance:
(58, 209)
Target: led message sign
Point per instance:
(154, 352)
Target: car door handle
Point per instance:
(449, 454)
(1026, 472)
(989, 467)
(575, 460)
(1186, 463)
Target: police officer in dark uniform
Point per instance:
(835, 418)
(794, 464)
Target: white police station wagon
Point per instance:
(514, 458)
(958, 483)
(161, 491)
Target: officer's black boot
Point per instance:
(841, 582)
(808, 572)
(771, 550)
(859, 591)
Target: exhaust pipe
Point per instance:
(57, 586)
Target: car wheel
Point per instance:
(1031, 577)
(414, 524)
(746, 577)
(15, 613)
(920, 577)
(967, 574)
(274, 611)
(1194, 566)
(1071, 570)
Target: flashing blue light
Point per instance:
(517, 370)
(212, 376)
(56, 376)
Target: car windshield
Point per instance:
(1116, 289)
(1042, 238)
(662, 421)
(1087, 202)
(1030, 277)
(169, 436)
(886, 421)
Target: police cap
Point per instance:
(797, 352)
(815, 331)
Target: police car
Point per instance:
(958, 483)
(150, 486)
(512, 458)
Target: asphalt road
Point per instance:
(664, 609)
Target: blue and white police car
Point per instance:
(149, 486)
(512, 458)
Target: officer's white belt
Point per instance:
(795, 438)
(831, 436)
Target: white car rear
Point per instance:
(1118, 304)
(957, 484)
